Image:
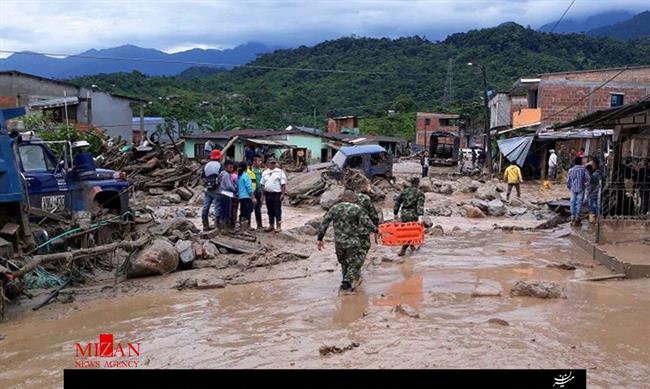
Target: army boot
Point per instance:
(206, 222)
(402, 251)
(278, 226)
(269, 228)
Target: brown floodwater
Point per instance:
(281, 323)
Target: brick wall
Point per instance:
(554, 98)
(561, 90)
(8, 101)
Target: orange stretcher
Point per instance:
(399, 234)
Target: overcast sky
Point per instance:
(74, 26)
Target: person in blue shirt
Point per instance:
(246, 196)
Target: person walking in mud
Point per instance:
(364, 201)
(577, 182)
(349, 219)
(274, 186)
(411, 202)
(512, 175)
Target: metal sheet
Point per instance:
(516, 149)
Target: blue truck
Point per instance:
(36, 184)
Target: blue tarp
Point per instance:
(516, 149)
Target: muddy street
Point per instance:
(416, 313)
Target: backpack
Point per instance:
(212, 181)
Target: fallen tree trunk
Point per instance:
(38, 260)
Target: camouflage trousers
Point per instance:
(351, 260)
(365, 244)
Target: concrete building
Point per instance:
(427, 123)
(343, 123)
(553, 98)
(81, 107)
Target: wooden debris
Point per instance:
(603, 278)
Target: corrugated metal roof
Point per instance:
(53, 103)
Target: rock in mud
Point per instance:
(498, 321)
(187, 283)
(480, 204)
(487, 192)
(184, 193)
(214, 283)
(326, 350)
(467, 185)
(439, 211)
(406, 310)
(539, 289)
(473, 212)
(173, 198)
(210, 250)
(496, 208)
(437, 230)
(515, 202)
(156, 191)
(487, 289)
(426, 221)
(331, 196)
(425, 188)
(159, 257)
(517, 211)
(185, 251)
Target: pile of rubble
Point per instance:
(318, 187)
(159, 167)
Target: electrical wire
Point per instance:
(562, 17)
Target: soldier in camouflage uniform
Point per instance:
(411, 200)
(348, 219)
(363, 200)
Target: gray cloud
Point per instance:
(74, 26)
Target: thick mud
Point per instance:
(418, 313)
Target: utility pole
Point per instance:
(486, 112)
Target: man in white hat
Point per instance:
(552, 165)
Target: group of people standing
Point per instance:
(245, 186)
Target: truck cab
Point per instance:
(69, 185)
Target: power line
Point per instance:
(585, 96)
(213, 64)
(563, 15)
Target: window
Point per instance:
(34, 159)
(199, 151)
(616, 100)
(355, 162)
(377, 159)
(427, 121)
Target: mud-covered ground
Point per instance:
(418, 312)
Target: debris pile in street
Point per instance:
(160, 169)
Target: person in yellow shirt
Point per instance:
(512, 176)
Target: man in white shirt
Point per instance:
(274, 186)
(552, 165)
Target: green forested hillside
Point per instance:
(405, 74)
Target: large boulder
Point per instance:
(496, 208)
(467, 185)
(480, 204)
(159, 257)
(473, 212)
(304, 182)
(487, 192)
(331, 196)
